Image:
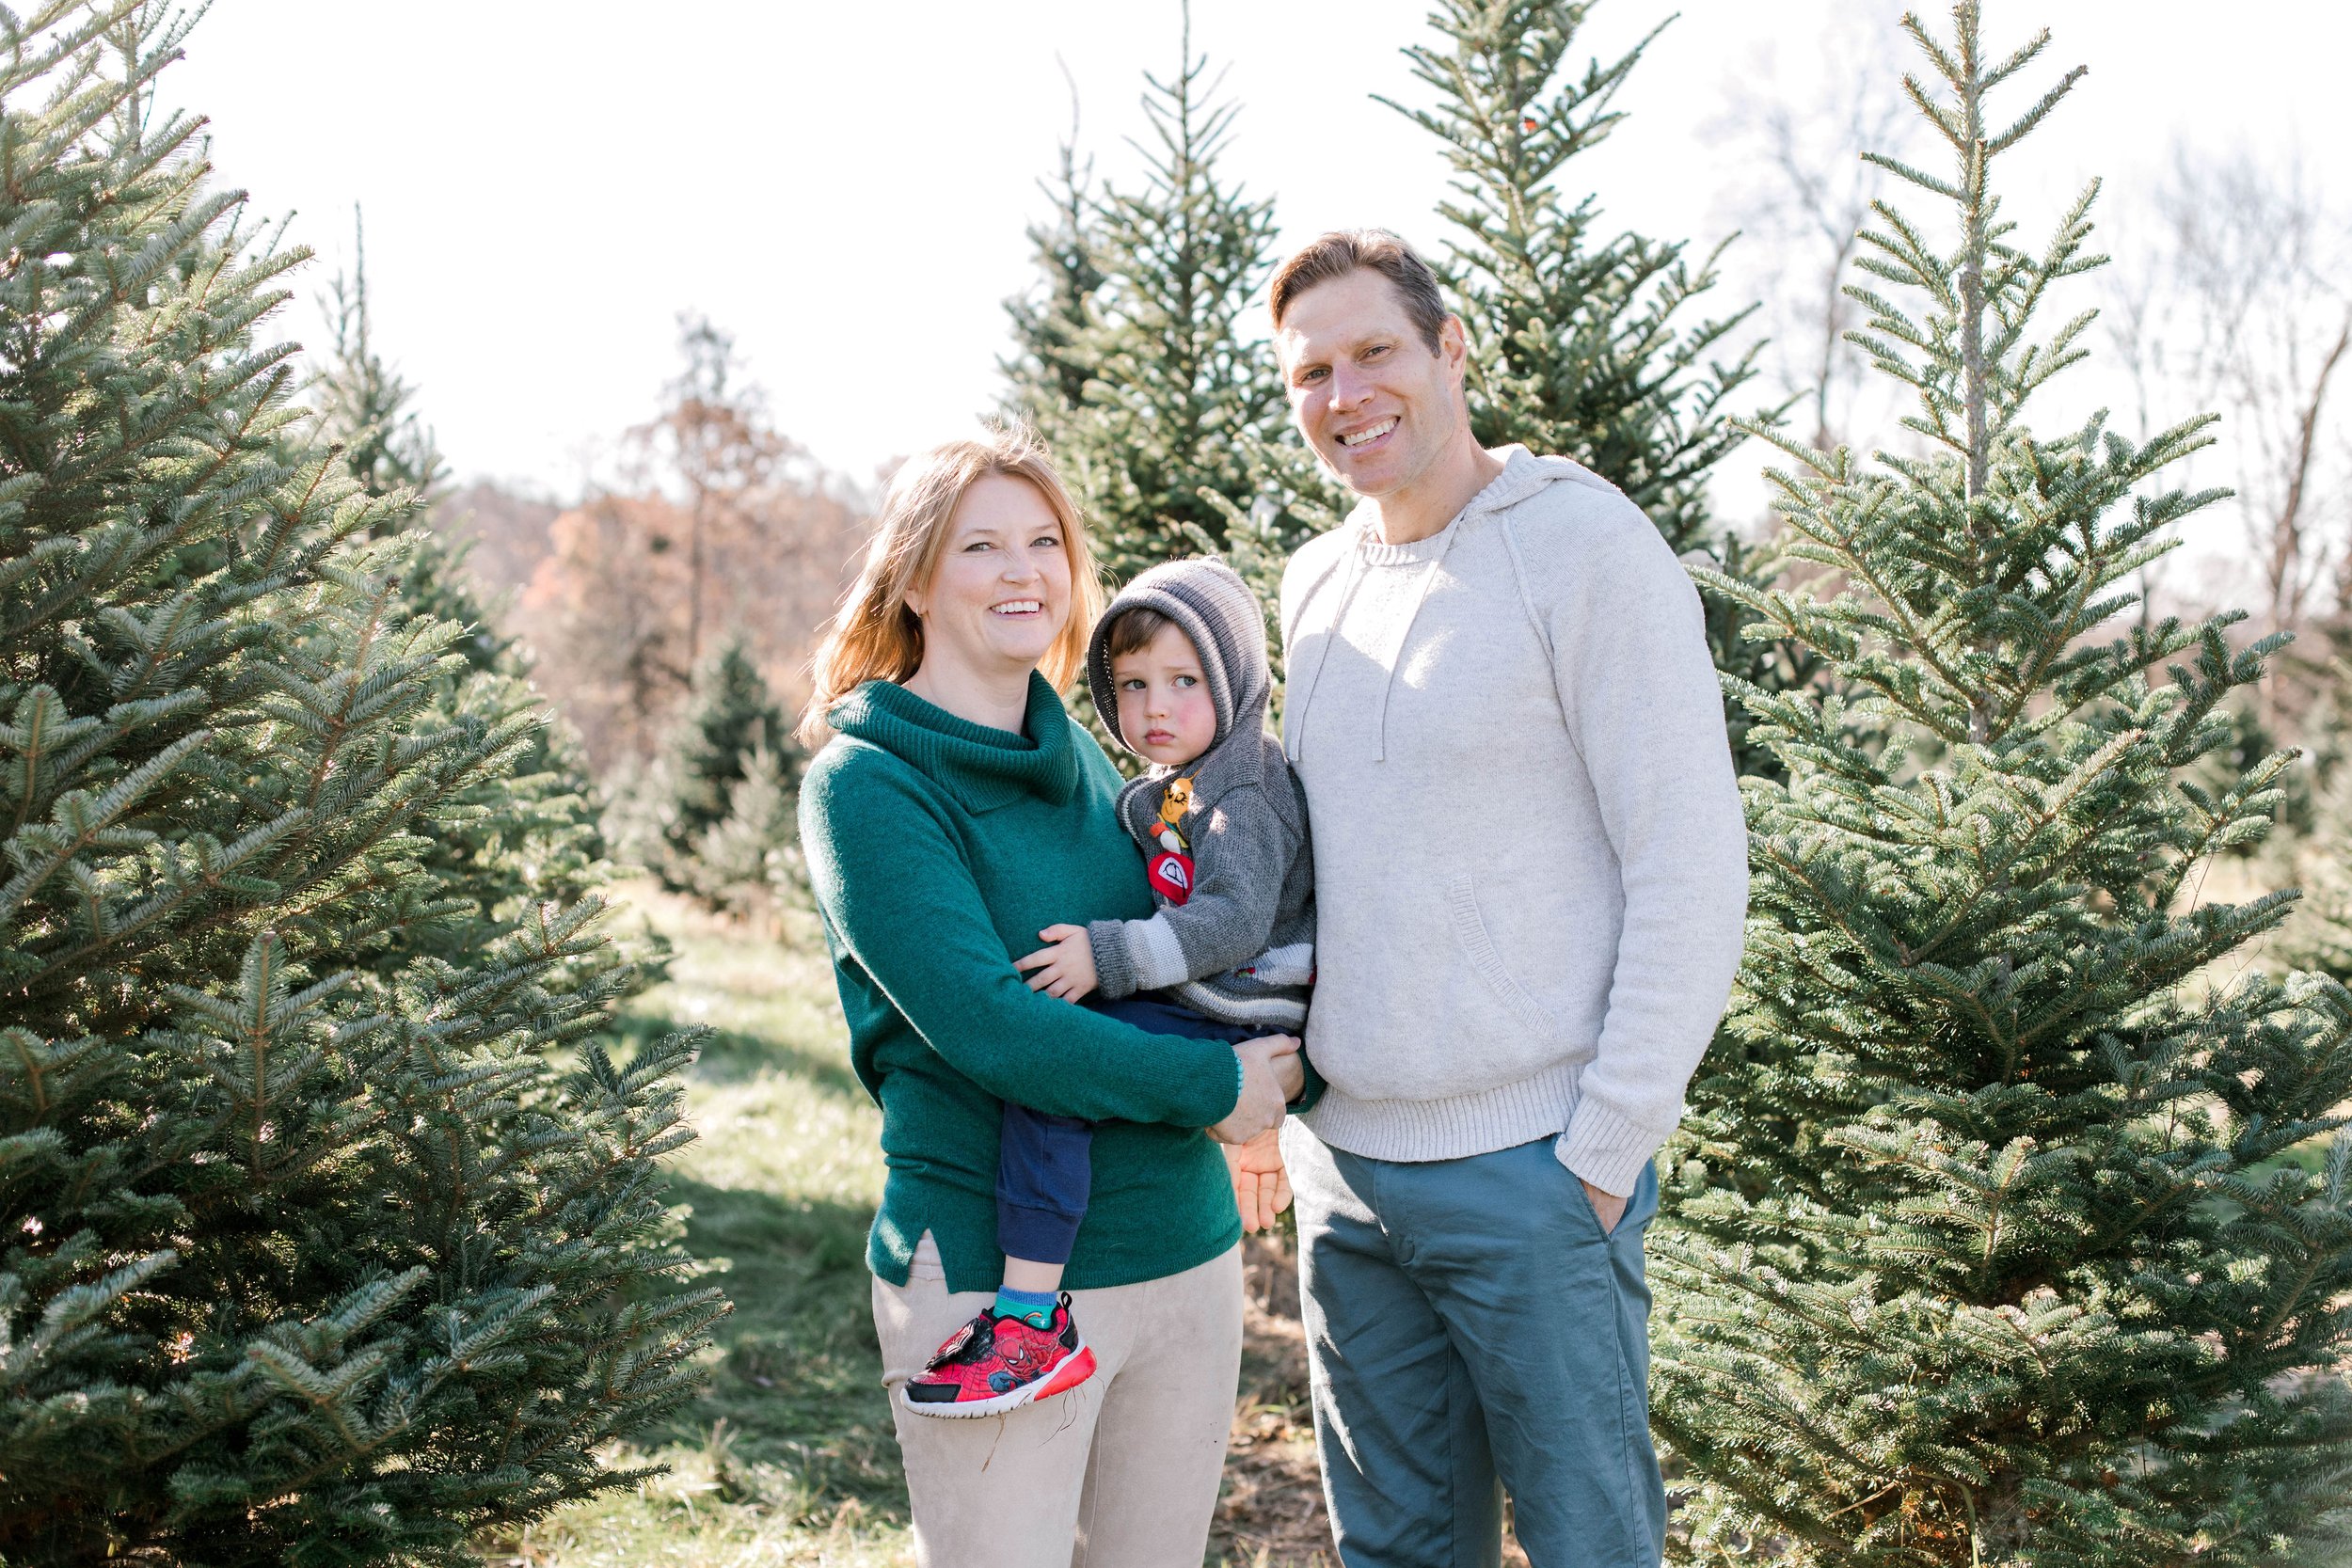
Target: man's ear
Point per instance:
(1453, 345)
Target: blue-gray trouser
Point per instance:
(1471, 1330)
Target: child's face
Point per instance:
(1163, 706)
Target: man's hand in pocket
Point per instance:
(1608, 1207)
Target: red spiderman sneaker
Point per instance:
(992, 1365)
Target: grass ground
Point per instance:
(787, 1459)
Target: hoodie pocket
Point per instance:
(1470, 930)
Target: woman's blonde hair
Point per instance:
(874, 636)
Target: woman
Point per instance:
(957, 813)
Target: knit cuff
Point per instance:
(1604, 1148)
(1114, 968)
(1313, 1090)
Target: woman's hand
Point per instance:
(1262, 1104)
(1064, 969)
(1262, 1188)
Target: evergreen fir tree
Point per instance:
(2315, 851)
(734, 712)
(1173, 393)
(1583, 344)
(1171, 423)
(729, 753)
(302, 1264)
(387, 444)
(367, 410)
(750, 860)
(1048, 373)
(529, 835)
(1987, 1246)
(2319, 937)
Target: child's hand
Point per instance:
(1066, 969)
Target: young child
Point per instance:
(1178, 671)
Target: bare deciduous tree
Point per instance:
(713, 447)
(1797, 136)
(716, 523)
(2244, 307)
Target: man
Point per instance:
(1531, 874)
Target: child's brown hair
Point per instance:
(1132, 629)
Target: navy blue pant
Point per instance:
(1045, 1165)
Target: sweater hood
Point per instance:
(983, 767)
(1214, 606)
(1524, 476)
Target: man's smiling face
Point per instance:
(1379, 405)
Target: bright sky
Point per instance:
(845, 185)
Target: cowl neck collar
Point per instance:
(984, 768)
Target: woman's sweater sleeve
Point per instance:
(897, 896)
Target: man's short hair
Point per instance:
(1132, 629)
(1342, 251)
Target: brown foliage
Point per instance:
(610, 609)
(601, 595)
(504, 535)
(717, 523)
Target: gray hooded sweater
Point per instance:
(1529, 852)
(1241, 948)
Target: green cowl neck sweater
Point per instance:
(938, 849)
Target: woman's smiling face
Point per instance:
(1000, 593)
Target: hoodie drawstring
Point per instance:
(1521, 476)
(1404, 636)
(1294, 713)
(1353, 579)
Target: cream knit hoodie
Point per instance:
(1529, 852)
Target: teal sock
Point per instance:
(1034, 1308)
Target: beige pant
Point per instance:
(1120, 1472)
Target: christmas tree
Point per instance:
(2314, 853)
(1144, 291)
(1046, 377)
(1999, 1232)
(305, 1261)
(750, 860)
(1584, 343)
(733, 714)
(733, 719)
(527, 835)
(367, 403)
(1171, 425)
(367, 410)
